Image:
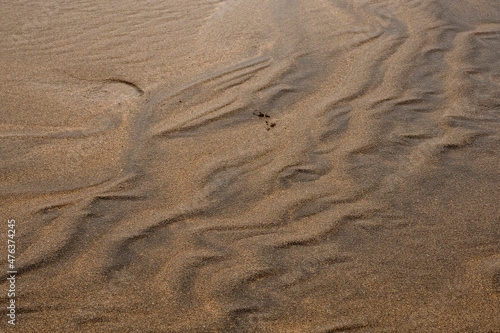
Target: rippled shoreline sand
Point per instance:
(252, 166)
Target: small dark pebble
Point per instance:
(261, 115)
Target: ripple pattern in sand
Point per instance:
(265, 190)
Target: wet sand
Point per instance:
(251, 166)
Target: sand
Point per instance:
(251, 165)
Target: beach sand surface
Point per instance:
(251, 165)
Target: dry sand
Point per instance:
(251, 165)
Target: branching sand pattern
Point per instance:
(255, 166)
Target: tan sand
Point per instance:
(251, 165)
